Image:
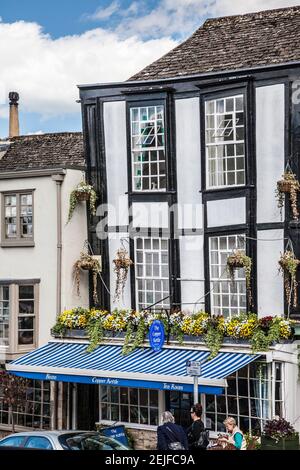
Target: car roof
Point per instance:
(37, 432)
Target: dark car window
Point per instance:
(63, 439)
(15, 441)
(93, 442)
(38, 442)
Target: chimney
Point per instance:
(13, 114)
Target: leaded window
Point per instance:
(228, 297)
(26, 315)
(225, 141)
(129, 405)
(152, 272)
(4, 315)
(148, 148)
(18, 216)
(248, 398)
(35, 411)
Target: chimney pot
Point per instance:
(13, 97)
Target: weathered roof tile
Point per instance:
(232, 43)
(57, 150)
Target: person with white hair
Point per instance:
(236, 437)
(170, 436)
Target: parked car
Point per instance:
(61, 440)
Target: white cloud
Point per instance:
(182, 17)
(236, 7)
(45, 71)
(103, 13)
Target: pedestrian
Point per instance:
(196, 433)
(170, 436)
(236, 437)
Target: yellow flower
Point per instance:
(187, 325)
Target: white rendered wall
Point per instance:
(114, 245)
(269, 282)
(270, 124)
(188, 157)
(192, 272)
(150, 214)
(116, 162)
(226, 212)
(37, 262)
(40, 261)
(74, 235)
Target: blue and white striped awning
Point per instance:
(144, 368)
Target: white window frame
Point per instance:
(219, 143)
(220, 283)
(136, 138)
(25, 315)
(20, 239)
(5, 319)
(145, 278)
(13, 348)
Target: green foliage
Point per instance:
(96, 333)
(213, 340)
(134, 338)
(261, 340)
(59, 329)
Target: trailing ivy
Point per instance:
(134, 338)
(213, 340)
(96, 333)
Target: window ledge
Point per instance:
(17, 244)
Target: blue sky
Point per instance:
(48, 47)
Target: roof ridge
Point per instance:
(46, 134)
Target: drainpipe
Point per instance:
(59, 180)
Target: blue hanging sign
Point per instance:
(157, 335)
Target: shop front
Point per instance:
(106, 387)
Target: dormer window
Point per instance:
(148, 148)
(225, 142)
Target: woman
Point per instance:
(170, 436)
(236, 437)
(197, 431)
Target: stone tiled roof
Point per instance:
(232, 43)
(44, 151)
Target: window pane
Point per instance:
(147, 132)
(153, 267)
(228, 296)
(225, 138)
(26, 292)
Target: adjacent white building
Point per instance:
(38, 249)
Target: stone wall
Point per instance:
(143, 440)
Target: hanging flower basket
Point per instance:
(87, 262)
(288, 185)
(237, 260)
(82, 192)
(288, 265)
(122, 263)
(81, 196)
